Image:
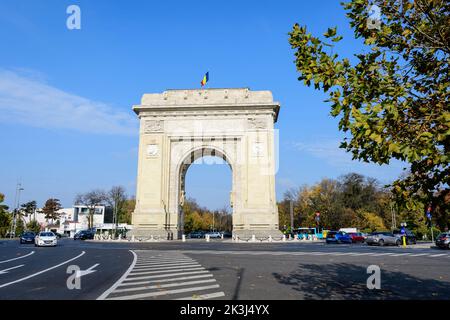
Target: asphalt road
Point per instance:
(220, 270)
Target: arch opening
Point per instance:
(204, 193)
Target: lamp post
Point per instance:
(16, 207)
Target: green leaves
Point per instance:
(395, 99)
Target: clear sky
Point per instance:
(66, 124)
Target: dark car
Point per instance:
(84, 235)
(443, 240)
(27, 237)
(338, 237)
(410, 237)
(356, 237)
(196, 235)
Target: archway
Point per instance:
(211, 160)
(179, 126)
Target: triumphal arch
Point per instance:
(178, 127)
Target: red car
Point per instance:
(356, 237)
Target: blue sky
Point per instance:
(66, 124)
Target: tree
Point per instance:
(28, 208)
(51, 208)
(5, 217)
(393, 101)
(125, 216)
(116, 198)
(91, 200)
(34, 226)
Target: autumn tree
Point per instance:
(51, 208)
(392, 97)
(116, 198)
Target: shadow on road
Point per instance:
(347, 281)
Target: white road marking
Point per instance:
(82, 273)
(169, 285)
(204, 296)
(122, 278)
(419, 254)
(174, 270)
(41, 272)
(7, 270)
(161, 265)
(150, 270)
(166, 280)
(400, 254)
(162, 262)
(438, 255)
(27, 255)
(162, 293)
(167, 275)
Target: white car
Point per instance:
(45, 239)
(214, 235)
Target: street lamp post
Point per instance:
(16, 207)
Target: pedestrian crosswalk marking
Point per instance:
(166, 280)
(167, 275)
(162, 293)
(168, 285)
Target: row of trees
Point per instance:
(354, 200)
(200, 218)
(28, 209)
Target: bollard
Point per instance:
(284, 238)
(253, 238)
(404, 241)
(132, 238)
(183, 238)
(221, 236)
(207, 238)
(270, 238)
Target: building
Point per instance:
(72, 220)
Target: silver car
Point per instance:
(383, 238)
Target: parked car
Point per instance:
(227, 234)
(84, 235)
(196, 235)
(45, 239)
(356, 237)
(443, 240)
(410, 237)
(27, 237)
(338, 237)
(214, 234)
(383, 238)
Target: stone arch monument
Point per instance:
(178, 127)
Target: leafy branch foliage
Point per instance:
(393, 101)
